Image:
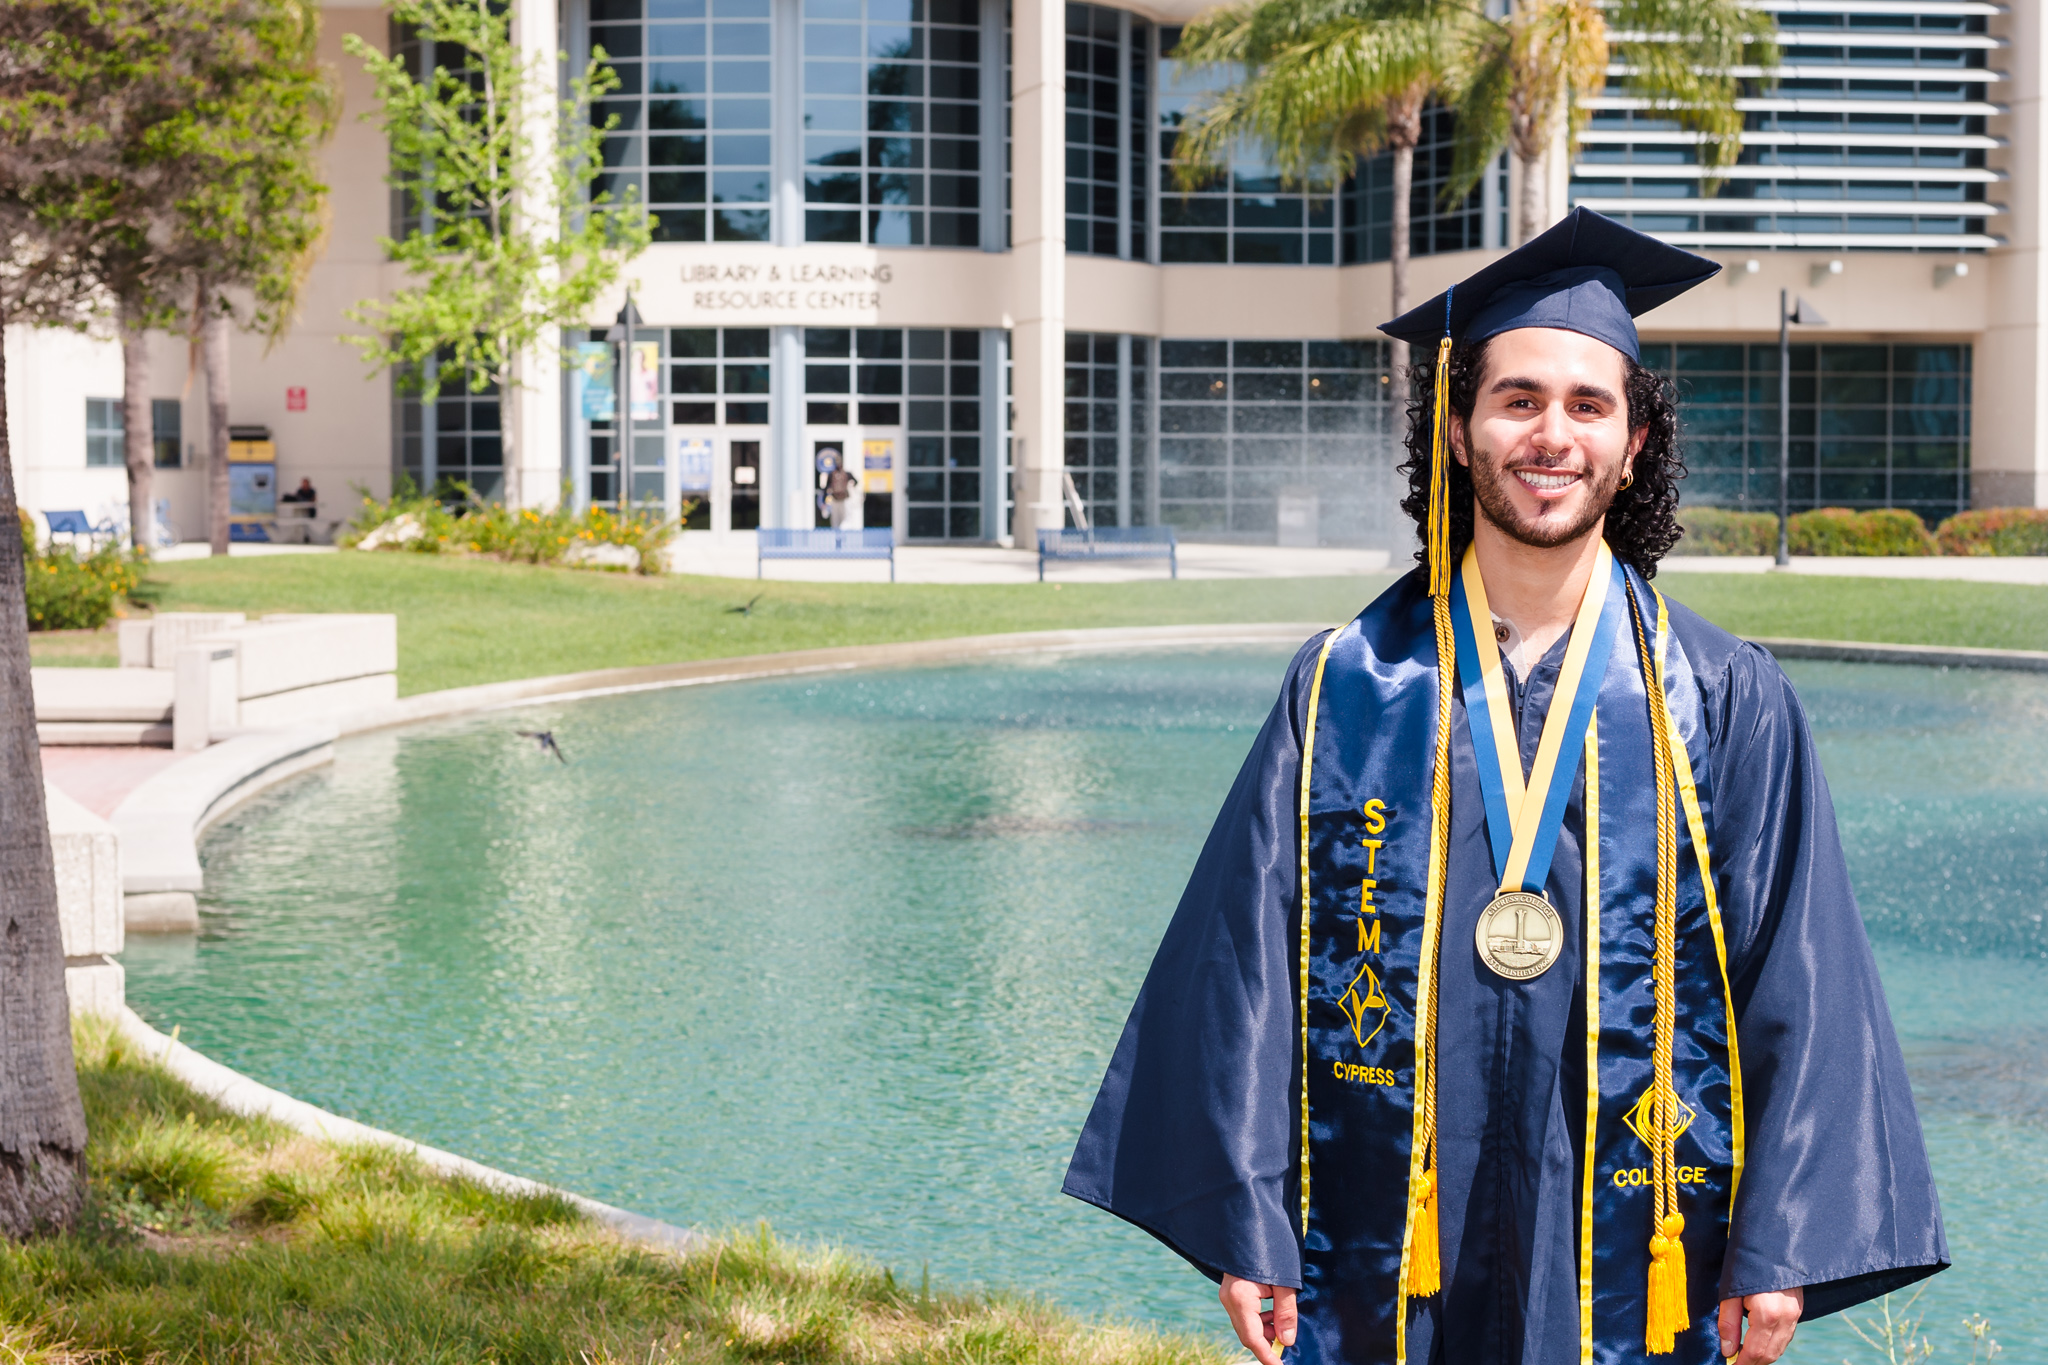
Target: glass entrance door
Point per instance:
(744, 478)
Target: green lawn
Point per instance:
(213, 1238)
(468, 621)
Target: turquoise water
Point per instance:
(848, 953)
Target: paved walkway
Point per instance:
(2027, 569)
(733, 557)
(97, 776)
(241, 549)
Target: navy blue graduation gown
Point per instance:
(1194, 1134)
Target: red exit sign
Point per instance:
(294, 400)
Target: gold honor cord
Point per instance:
(1421, 1258)
(1525, 800)
(1689, 799)
(1666, 1316)
(1308, 758)
(1592, 1036)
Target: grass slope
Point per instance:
(466, 621)
(470, 621)
(220, 1239)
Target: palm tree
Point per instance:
(1322, 83)
(1526, 73)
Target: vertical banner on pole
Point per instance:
(592, 378)
(646, 381)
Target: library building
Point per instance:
(939, 245)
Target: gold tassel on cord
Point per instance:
(1439, 534)
(1425, 1268)
(1425, 1265)
(1425, 1260)
(1666, 1316)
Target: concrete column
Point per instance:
(786, 221)
(1039, 248)
(995, 431)
(1124, 343)
(2009, 418)
(785, 469)
(532, 412)
(995, 104)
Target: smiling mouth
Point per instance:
(1547, 480)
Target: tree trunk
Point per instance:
(1404, 130)
(42, 1123)
(138, 435)
(213, 350)
(1533, 197)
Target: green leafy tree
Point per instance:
(58, 75)
(1320, 83)
(511, 246)
(1525, 73)
(253, 205)
(211, 186)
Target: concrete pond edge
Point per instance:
(235, 1092)
(161, 820)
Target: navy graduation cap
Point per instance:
(1588, 274)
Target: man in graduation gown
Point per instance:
(1519, 1008)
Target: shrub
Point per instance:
(1995, 531)
(1720, 531)
(69, 591)
(409, 520)
(1840, 531)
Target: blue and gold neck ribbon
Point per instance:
(1522, 818)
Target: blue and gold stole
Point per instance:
(1371, 938)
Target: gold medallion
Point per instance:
(1519, 935)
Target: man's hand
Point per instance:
(1263, 1333)
(1771, 1320)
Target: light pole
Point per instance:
(622, 332)
(1805, 315)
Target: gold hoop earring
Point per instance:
(1626, 480)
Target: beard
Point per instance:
(1489, 487)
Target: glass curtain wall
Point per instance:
(1243, 214)
(693, 113)
(718, 376)
(1433, 226)
(1872, 425)
(924, 382)
(1240, 214)
(1239, 421)
(454, 439)
(1109, 187)
(892, 122)
(1108, 427)
(1874, 135)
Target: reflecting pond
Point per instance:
(847, 952)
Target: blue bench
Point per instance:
(76, 524)
(1110, 542)
(877, 542)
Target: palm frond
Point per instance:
(1681, 55)
(1314, 80)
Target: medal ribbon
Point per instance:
(1522, 818)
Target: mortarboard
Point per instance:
(1587, 274)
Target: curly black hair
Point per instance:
(1642, 523)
